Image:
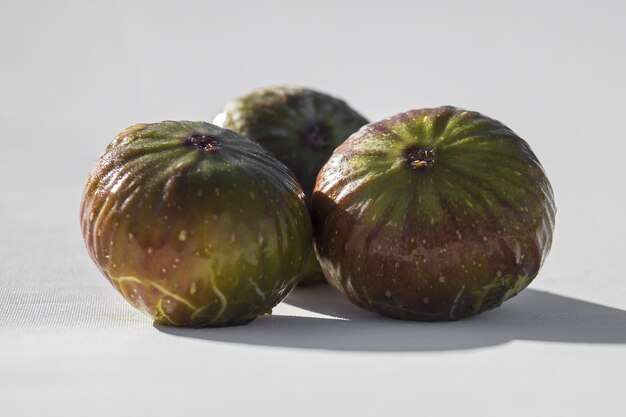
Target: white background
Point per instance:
(73, 74)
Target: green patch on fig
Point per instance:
(433, 214)
(301, 127)
(195, 225)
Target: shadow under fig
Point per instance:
(532, 315)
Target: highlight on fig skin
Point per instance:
(432, 214)
(195, 225)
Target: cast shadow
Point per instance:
(532, 315)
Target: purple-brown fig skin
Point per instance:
(195, 225)
(431, 215)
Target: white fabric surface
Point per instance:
(73, 75)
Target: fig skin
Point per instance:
(433, 214)
(195, 225)
(301, 127)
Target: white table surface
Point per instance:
(73, 74)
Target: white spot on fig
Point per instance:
(219, 119)
(217, 192)
(192, 289)
(388, 294)
(149, 250)
(426, 300)
(182, 235)
(91, 216)
(442, 279)
(115, 187)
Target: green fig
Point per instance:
(195, 225)
(433, 214)
(301, 127)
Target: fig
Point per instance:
(301, 127)
(432, 214)
(195, 225)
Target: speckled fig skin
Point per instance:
(301, 127)
(433, 214)
(195, 225)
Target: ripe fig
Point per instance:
(433, 214)
(301, 127)
(195, 225)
